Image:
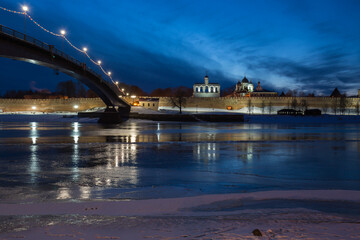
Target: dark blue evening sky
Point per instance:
(310, 45)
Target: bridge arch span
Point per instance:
(18, 46)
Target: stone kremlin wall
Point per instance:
(237, 103)
(222, 103)
(49, 105)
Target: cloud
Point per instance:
(323, 70)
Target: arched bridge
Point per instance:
(18, 46)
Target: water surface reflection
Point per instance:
(66, 161)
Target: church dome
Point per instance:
(245, 80)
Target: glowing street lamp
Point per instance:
(117, 82)
(99, 62)
(25, 9)
(123, 89)
(109, 73)
(62, 32)
(84, 51)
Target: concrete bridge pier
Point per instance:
(113, 115)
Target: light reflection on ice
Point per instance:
(206, 152)
(85, 192)
(33, 132)
(63, 193)
(75, 163)
(75, 133)
(34, 163)
(75, 156)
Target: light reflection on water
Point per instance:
(137, 159)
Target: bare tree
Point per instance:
(294, 104)
(335, 105)
(249, 105)
(178, 100)
(325, 107)
(343, 104)
(295, 93)
(304, 104)
(289, 93)
(263, 107)
(270, 107)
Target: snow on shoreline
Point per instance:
(171, 206)
(174, 219)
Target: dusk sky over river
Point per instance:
(179, 119)
(308, 45)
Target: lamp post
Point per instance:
(84, 51)
(62, 32)
(25, 9)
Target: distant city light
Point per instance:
(63, 32)
(33, 107)
(25, 8)
(127, 94)
(133, 96)
(76, 106)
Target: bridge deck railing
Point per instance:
(50, 48)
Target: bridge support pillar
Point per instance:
(111, 115)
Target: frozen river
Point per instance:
(47, 161)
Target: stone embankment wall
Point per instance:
(50, 105)
(237, 103)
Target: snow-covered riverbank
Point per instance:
(221, 216)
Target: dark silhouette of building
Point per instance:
(336, 93)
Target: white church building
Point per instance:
(206, 89)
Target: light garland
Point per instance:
(8, 10)
(98, 63)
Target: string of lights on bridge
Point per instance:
(62, 35)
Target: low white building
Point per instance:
(206, 89)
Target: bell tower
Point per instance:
(206, 79)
